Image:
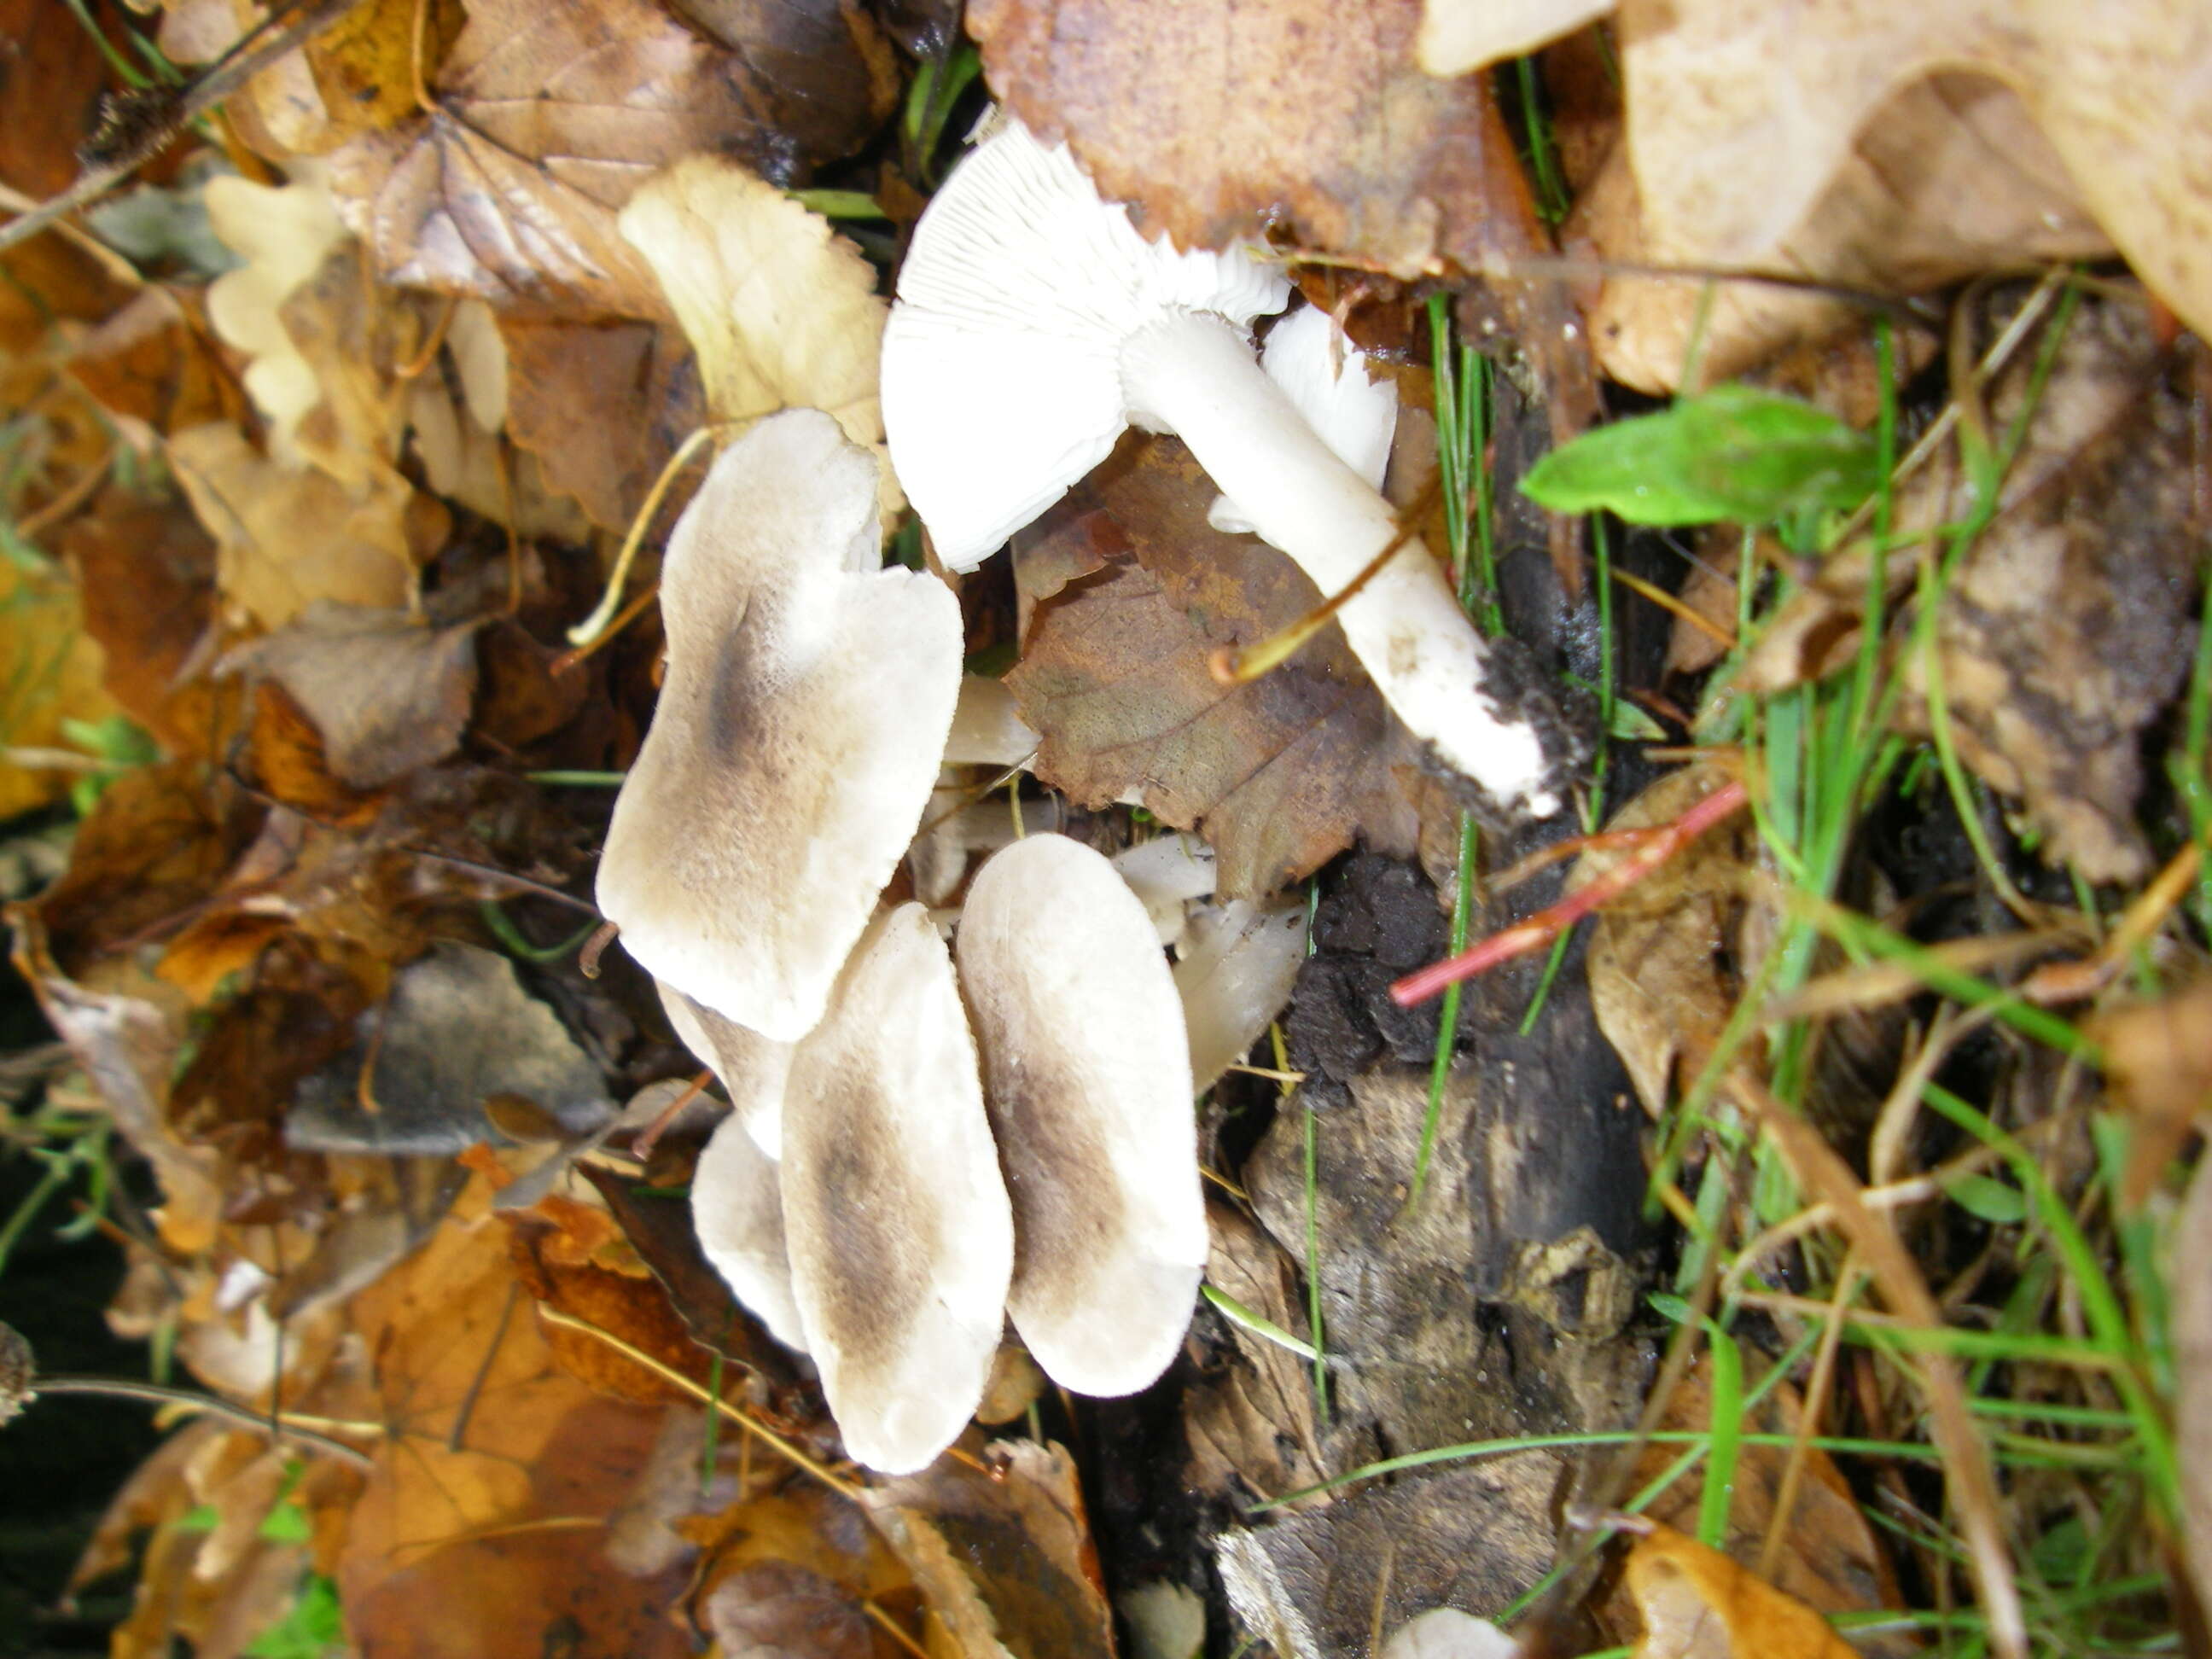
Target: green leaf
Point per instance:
(1987, 1198)
(1734, 453)
(315, 1627)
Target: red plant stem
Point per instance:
(1547, 924)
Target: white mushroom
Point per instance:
(737, 1210)
(806, 701)
(751, 1067)
(894, 1209)
(1240, 961)
(1087, 1077)
(1326, 379)
(1165, 873)
(1033, 324)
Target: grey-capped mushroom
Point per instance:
(1033, 325)
(806, 701)
(894, 1209)
(1087, 1074)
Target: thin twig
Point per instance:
(286, 1427)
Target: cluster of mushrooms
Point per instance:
(924, 1142)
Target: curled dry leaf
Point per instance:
(548, 113)
(781, 311)
(1740, 114)
(1831, 1559)
(1952, 177)
(1698, 1604)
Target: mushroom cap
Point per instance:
(1001, 369)
(894, 1210)
(806, 701)
(751, 1067)
(737, 1210)
(1087, 1075)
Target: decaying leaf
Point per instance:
(1003, 1554)
(458, 1031)
(602, 407)
(1698, 1604)
(145, 575)
(1740, 113)
(2158, 1055)
(2066, 628)
(1659, 983)
(1831, 1560)
(1278, 775)
(286, 538)
(548, 113)
(387, 691)
(782, 311)
(492, 1456)
(1951, 178)
(1214, 119)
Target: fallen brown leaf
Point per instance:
(1215, 119)
(548, 113)
(1741, 113)
(1280, 775)
(601, 406)
(1697, 1603)
(2158, 1055)
(286, 538)
(1003, 1554)
(496, 1478)
(388, 692)
(1951, 179)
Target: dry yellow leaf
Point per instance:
(284, 235)
(1698, 1604)
(287, 537)
(782, 311)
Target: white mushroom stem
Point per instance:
(1192, 373)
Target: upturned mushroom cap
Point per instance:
(894, 1209)
(806, 701)
(1087, 1075)
(1002, 373)
(1033, 321)
(737, 1210)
